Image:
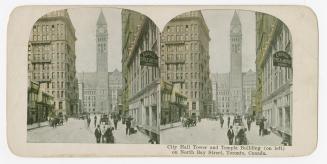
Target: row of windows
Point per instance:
(44, 67)
(184, 67)
(184, 37)
(54, 75)
(89, 104)
(102, 39)
(223, 105)
(236, 48)
(89, 98)
(182, 28)
(89, 92)
(58, 57)
(102, 47)
(55, 28)
(58, 94)
(180, 76)
(183, 56)
(48, 32)
(180, 48)
(59, 47)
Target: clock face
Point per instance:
(235, 30)
(101, 29)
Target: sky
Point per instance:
(218, 22)
(84, 20)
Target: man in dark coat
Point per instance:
(249, 121)
(95, 120)
(261, 127)
(88, 121)
(230, 135)
(128, 125)
(115, 122)
(221, 122)
(228, 121)
(97, 134)
(109, 135)
(241, 137)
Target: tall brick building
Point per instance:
(185, 60)
(51, 60)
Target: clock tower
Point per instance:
(235, 77)
(102, 44)
(102, 103)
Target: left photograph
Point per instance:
(85, 83)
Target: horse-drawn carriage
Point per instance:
(189, 122)
(104, 119)
(57, 120)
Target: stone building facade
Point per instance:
(274, 83)
(185, 60)
(51, 60)
(40, 104)
(142, 83)
(173, 104)
(223, 96)
(223, 92)
(249, 86)
(115, 85)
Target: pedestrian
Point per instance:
(88, 121)
(109, 135)
(240, 138)
(228, 121)
(230, 135)
(261, 127)
(249, 121)
(103, 130)
(97, 134)
(133, 130)
(115, 122)
(95, 120)
(128, 125)
(221, 122)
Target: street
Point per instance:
(76, 131)
(73, 131)
(209, 132)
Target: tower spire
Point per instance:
(235, 19)
(101, 19)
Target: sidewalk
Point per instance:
(255, 139)
(36, 125)
(170, 125)
(122, 138)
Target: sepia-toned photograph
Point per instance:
(81, 85)
(110, 76)
(226, 79)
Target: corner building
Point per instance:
(274, 83)
(141, 84)
(185, 60)
(51, 60)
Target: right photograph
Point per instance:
(226, 79)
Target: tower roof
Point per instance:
(235, 19)
(101, 19)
